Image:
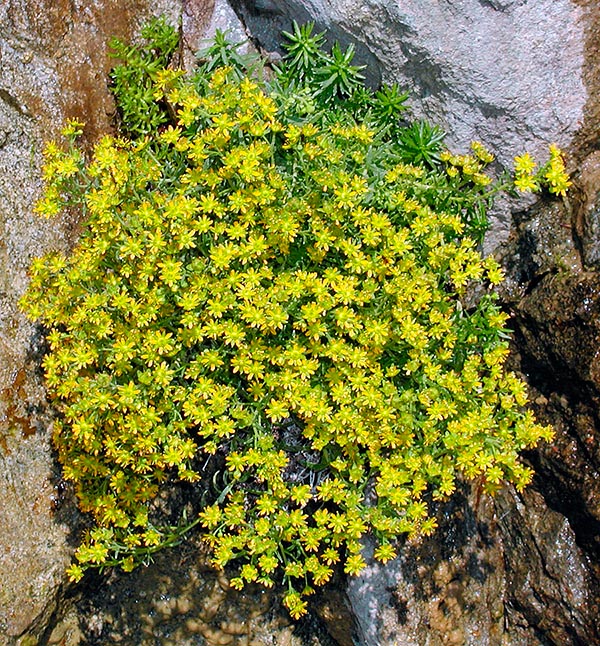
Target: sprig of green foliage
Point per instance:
(132, 83)
(304, 52)
(221, 52)
(279, 291)
(421, 143)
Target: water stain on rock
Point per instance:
(13, 410)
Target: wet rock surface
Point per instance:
(486, 578)
(518, 570)
(558, 335)
(179, 601)
(446, 591)
(551, 594)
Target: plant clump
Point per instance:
(270, 280)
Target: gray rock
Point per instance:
(506, 73)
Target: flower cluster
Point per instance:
(283, 300)
(552, 175)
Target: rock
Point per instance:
(487, 577)
(559, 335)
(553, 291)
(53, 65)
(587, 226)
(180, 601)
(445, 589)
(505, 73)
(554, 592)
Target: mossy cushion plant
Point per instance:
(267, 301)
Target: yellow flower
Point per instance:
(354, 564)
(556, 175)
(171, 135)
(385, 552)
(524, 164)
(74, 128)
(526, 183)
(75, 573)
(481, 152)
(295, 604)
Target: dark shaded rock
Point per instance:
(180, 601)
(554, 592)
(560, 325)
(487, 578)
(587, 223)
(559, 336)
(554, 295)
(541, 243)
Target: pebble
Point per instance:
(234, 627)
(215, 637)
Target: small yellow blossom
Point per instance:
(525, 164)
